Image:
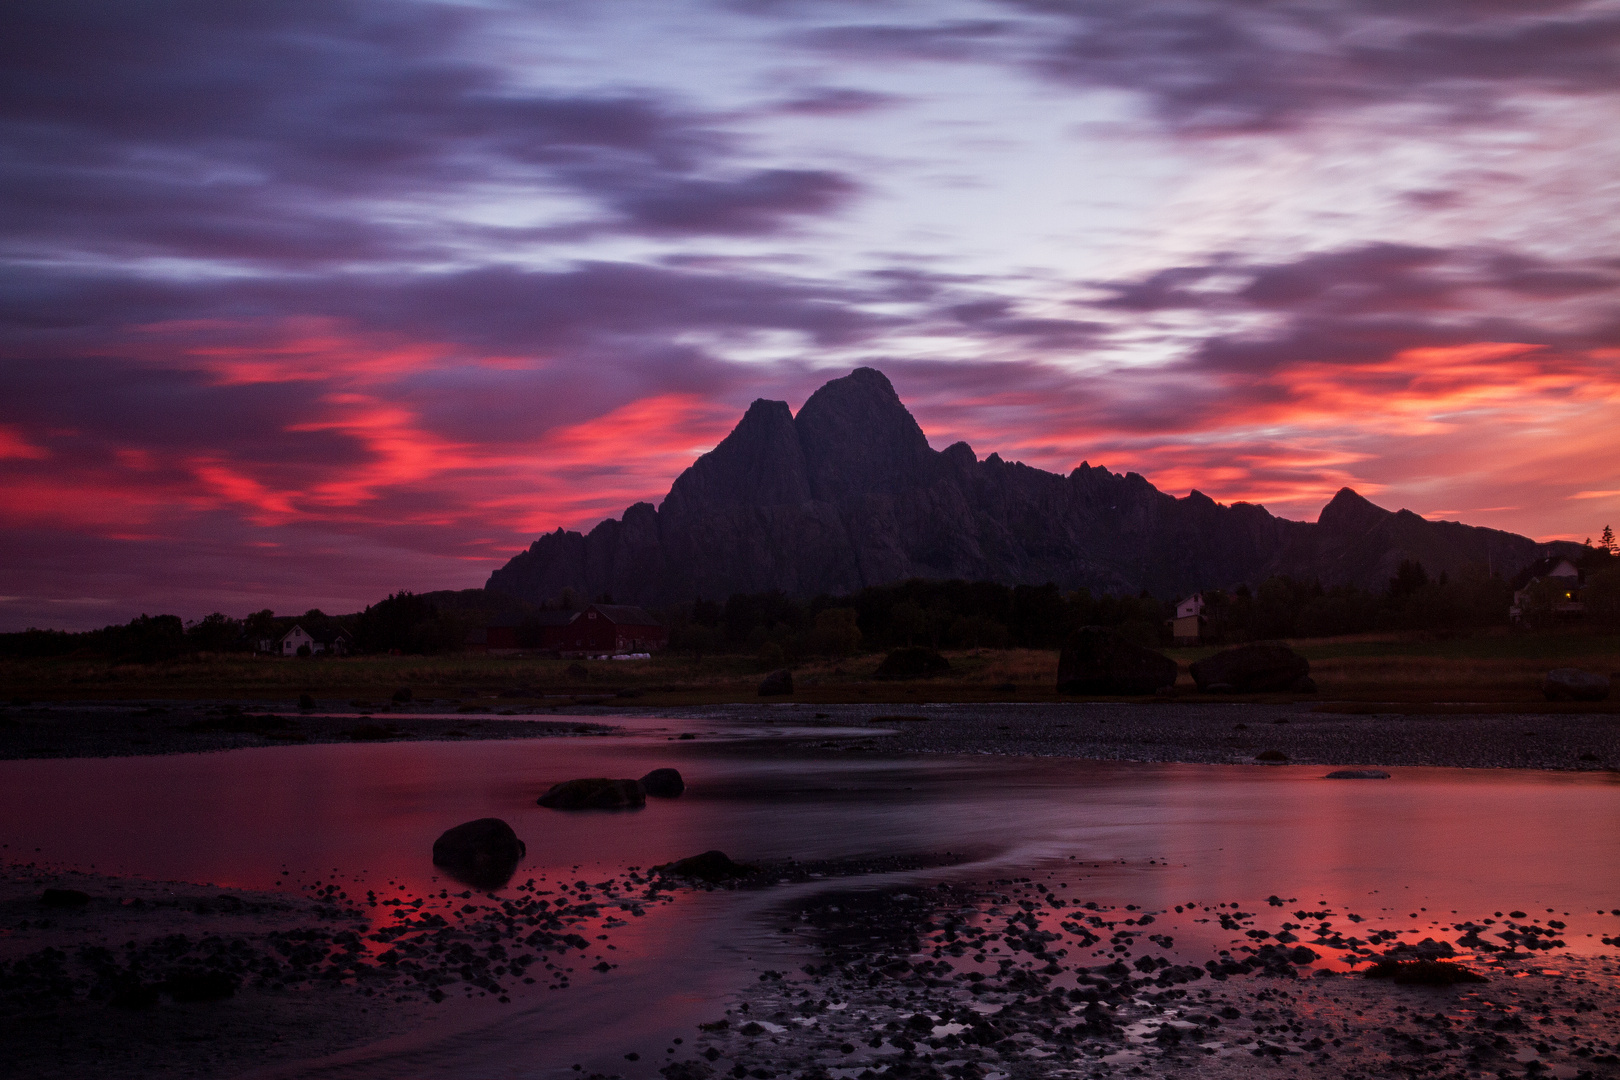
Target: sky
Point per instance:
(303, 302)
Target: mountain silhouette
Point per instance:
(848, 494)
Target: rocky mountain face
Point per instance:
(849, 494)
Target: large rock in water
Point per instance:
(1250, 669)
(1097, 660)
(1573, 684)
(709, 866)
(663, 783)
(595, 793)
(483, 853)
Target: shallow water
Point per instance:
(1413, 848)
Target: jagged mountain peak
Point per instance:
(1348, 510)
(848, 494)
(858, 436)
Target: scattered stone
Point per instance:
(483, 853)
(402, 696)
(1573, 684)
(712, 866)
(306, 701)
(663, 783)
(1357, 774)
(912, 662)
(64, 898)
(1251, 669)
(1097, 660)
(777, 682)
(595, 793)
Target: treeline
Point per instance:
(961, 614)
(404, 622)
(940, 614)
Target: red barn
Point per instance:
(608, 628)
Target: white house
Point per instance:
(335, 642)
(1553, 568)
(1188, 624)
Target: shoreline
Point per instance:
(1191, 733)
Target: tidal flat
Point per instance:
(923, 901)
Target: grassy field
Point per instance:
(1502, 670)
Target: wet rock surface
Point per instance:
(482, 853)
(664, 783)
(1023, 978)
(594, 793)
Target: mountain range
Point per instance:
(849, 494)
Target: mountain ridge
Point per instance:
(848, 494)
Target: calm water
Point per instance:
(1154, 835)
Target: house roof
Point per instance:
(324, 636)
(624, 615)
(1544, 568)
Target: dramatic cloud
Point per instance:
(301, 302)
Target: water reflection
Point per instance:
(1417, 847)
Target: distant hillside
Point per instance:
(848, 494)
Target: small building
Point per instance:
(332, 639)
(1188, 625)
(599, 630)
(605, 629)
(1565, 576)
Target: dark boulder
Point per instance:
(1097, 660)
(776, 683)
(663, 783)
(1358, 774)
(913, 662)
(1250, 669)
(710, 866)
(1573, 684)
(1275, 756)
(595, 793)
(577, 672)
(64, 898)
(402, 696)
(482, 853)
(305, 701)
